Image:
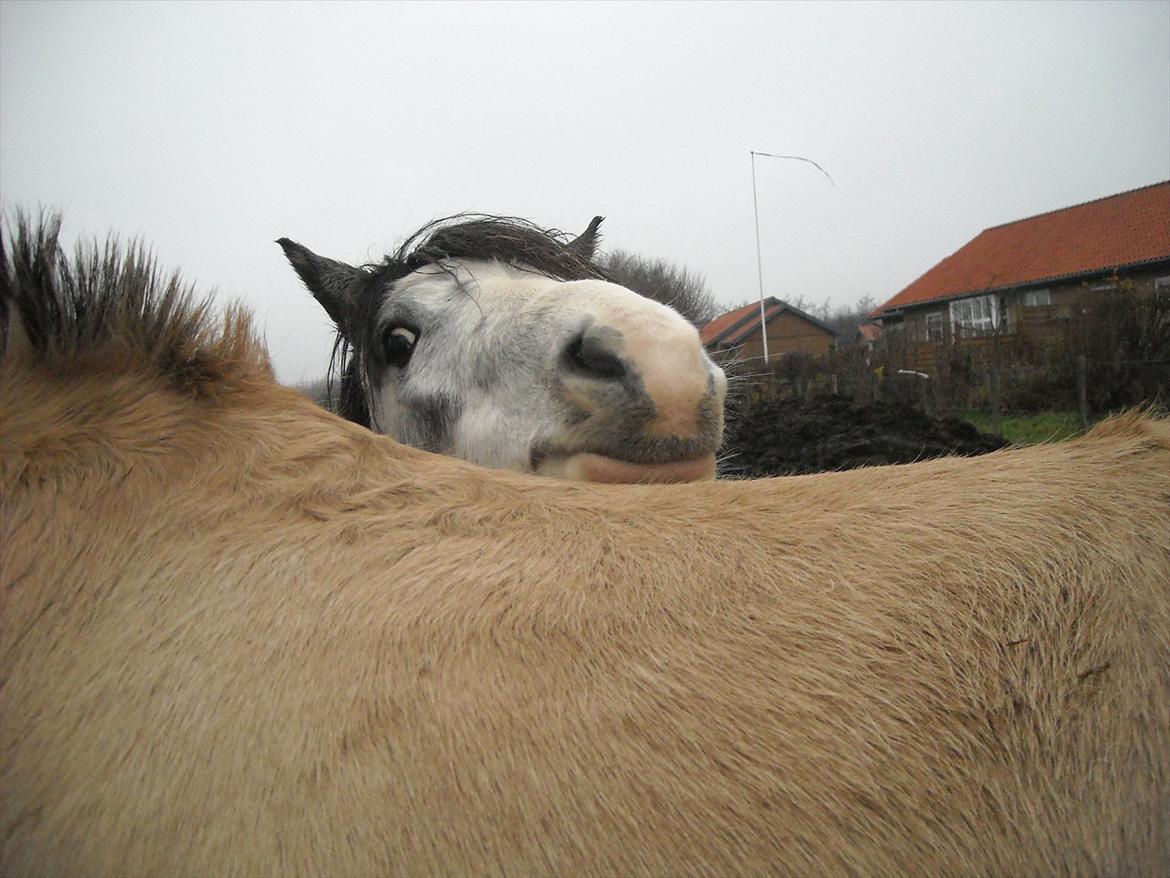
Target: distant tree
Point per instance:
(846, 318)
(677, 286)
(316, 390)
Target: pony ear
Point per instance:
(328, 280)
(585, 244)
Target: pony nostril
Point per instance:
(589, 355)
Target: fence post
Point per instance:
(923, 394)
(1083, 390)
(995, 408)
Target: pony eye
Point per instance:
(398, 344)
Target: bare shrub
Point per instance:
(316, 390)
(677, 286)
(1124, 336)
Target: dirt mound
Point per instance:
(776, 437)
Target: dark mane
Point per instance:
(511, 240)
(112, 302)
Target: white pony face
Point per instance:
(509, 368)
(514, 370)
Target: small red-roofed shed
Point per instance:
(790, 330)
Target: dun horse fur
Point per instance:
(242, 636)
(502, 343)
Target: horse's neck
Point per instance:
(55, 427)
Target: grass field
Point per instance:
(1030, 429)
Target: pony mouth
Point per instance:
(586, 466)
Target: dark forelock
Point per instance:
(510, 240)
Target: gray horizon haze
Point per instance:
(210, 130)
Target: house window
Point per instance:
(934, 327)
(1037, 298)
(1162, 283)
(975, 316)
(1103, 288)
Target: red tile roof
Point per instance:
(734, 326)
(1115, 232)
(724, 322)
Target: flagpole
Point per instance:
(759, 258)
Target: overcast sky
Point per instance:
(211, 129)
